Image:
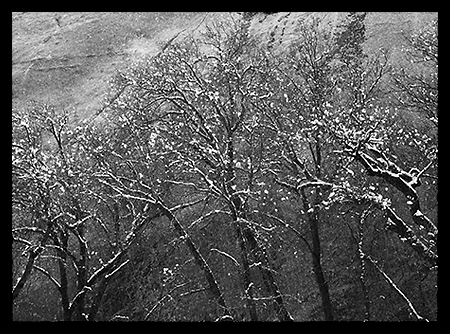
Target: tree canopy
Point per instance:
(226, 183)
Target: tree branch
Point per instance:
(236, 263)
(412, 310)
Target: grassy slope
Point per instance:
(68, 58)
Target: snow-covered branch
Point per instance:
(46, 273)
(236, 263)
(405, 182)
(406, 234)
(290, 227)
(411, 307)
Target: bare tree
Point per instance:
(59, 216)
(199, 98)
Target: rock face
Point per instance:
(67, 59)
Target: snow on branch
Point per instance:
(412, 310)
(236, 263)
(159, 302)
(290, 227)
(46, 273)
(377, 164)
(316, 183)
(207, 215)
(107, 276)
(406, 234)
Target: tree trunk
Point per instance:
(268, 278)
(82, 266)
(26, 273)
(97, 299)
(33, 254)
(63, 290)
(322, 284)
(323, 288)
(200, 261)
(248, 284)
(318, 271)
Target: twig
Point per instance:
(392, 284)
(162, 299)
(226, 255)
(290, 227)
(425, 169)
(46, 273)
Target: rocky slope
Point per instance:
(68, 58)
